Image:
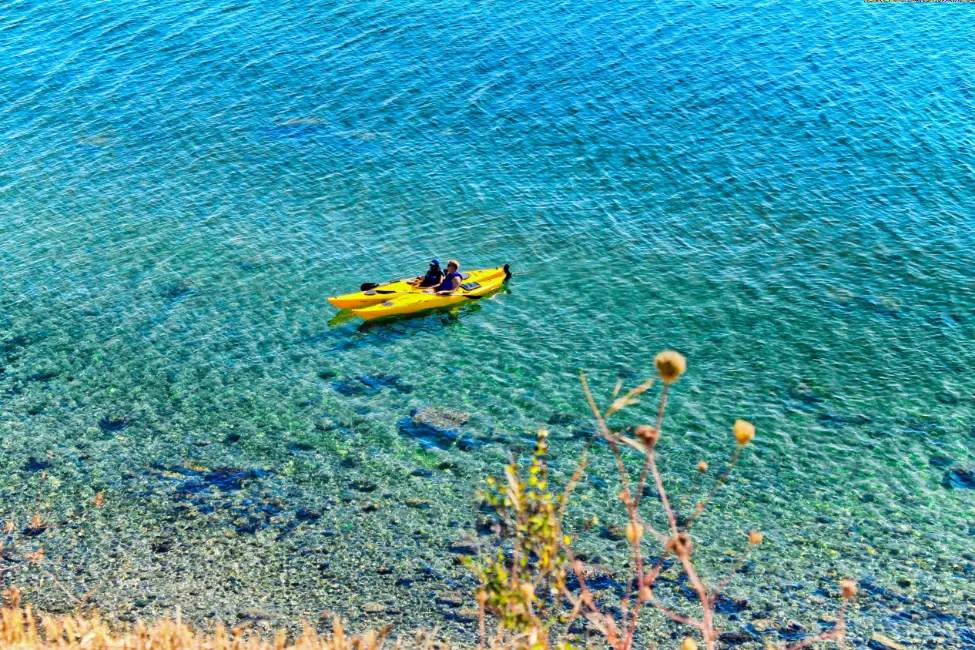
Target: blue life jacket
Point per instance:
(432, 278)
(447, 283)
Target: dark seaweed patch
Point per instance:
(428, 435)
(177, 290)
(34, 465)
(112, 425)
(370, 385)
(960, 477)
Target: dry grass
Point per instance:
(20, 629)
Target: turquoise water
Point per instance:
(781, 192)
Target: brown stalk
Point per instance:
(656, 427)
(714, 490)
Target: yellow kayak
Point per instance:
(388, 290)
(413, 303)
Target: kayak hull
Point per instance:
(415, 303)
(388, 290)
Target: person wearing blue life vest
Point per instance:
(433, 277)
(451, 281)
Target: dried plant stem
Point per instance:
(707, 620)
(837, 634)
(662, 494)
(570, 486)
(600, 422)
(541, 552)
(731, 574)
(714, 490)
(656, 427)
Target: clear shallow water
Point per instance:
(782, 193)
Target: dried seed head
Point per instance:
(670, 365)
(634, 532)
(744, 432)
(755, 538)
(848, 588)
(702, 467)
(680, 545)
(646, 595)
(647, 434)
(527, 590)
(481, 597)
(688, 644)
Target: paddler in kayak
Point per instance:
(433, 277)
(451, 281)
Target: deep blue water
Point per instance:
(782, 192)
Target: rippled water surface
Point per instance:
(782, 192)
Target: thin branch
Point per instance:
(731, 574)
(595, 409)
(721, 481)
(656, 427)
(671, 518)
(671, 614)
(837, 634)
(707, 625)
(570, 486)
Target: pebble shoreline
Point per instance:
(255, 546)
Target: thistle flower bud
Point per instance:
(848, 588)
(647, 434)
(702, 467)
(744, 432)
(670, 365)
(634, 532)
(755, 538)
(688, 644)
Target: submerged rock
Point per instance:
(363, 486)
(370, 384)
(463, 547)
(840, 420)
(939, 460)
(112, 424)
(231, 478)
(960, 477)
(34, 465)
(735, 638)
(437, 428)
(307, 514)
(562, 419)
(177, 290)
